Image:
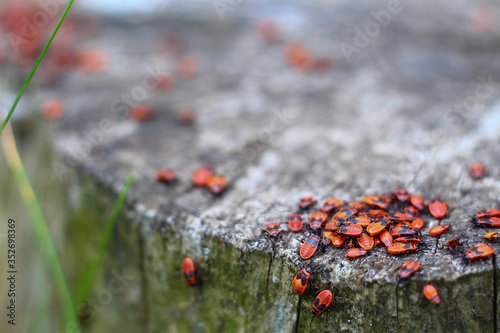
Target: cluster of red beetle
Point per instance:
(391, 219)
(202, 177)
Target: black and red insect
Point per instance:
(345, 213)
(202, 175)
(350, 229)
(326, 239)
(388, 197)
(492, 235)
(306, 202)
(386, 237)
(431, 293)
(356, 252)
(376, 227)
(439, 229)
(216, 184)
(365, 241)
(322, 301)
(166, 175)
(375, 201)
(477, 170)
(295, 222)
(273, 230)
(308, 249)
(417, 224)
(409, 239)
(400, 248)
(316, 220)
(301, 280)
(492, 222)
(402, 229)
(489, 212)
(454, 242)
(408, 269)
(187, 268)
(330, 204)
(417, 202)
(438, 208)
(402, 194)
(412, 212)
(479, 251)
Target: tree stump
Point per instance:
(410, 102)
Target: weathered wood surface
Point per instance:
(411, 109)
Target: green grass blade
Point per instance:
(33, 70)
(83, 287)
(39, 224)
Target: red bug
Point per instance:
(388, 197)
(493, 222)
(386, 237)
(477, 170)
(417, 223)
(408, 239)
(273, 229)
(322, 301)
(216, 184)
(412, 212)
(350, 229)
(454, 242)
(417, 201)
(166, 175)
(365, 241)
(400, 217)
(437, 208)
(338, 240)
(376, 214)
(402, 194)
(402, 229)
(361, 220)
(330, 204)
(357, 205)
(400, 248)
(345, 213)
(431, 293)
(306, 202)
(141, 112)
(316, 220)
(187, 268)
(439, 229)
(377, 240)
(356, 252)
(492, 235)
(186, 116)
(202, 175)
(333, 224)
(408, 269)
(309, 247)
(326, 239)
(376, 227)
(301, 280)
(350, 243)
(479, 251)
(375, 201)
(489, 212)
(295, 222)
